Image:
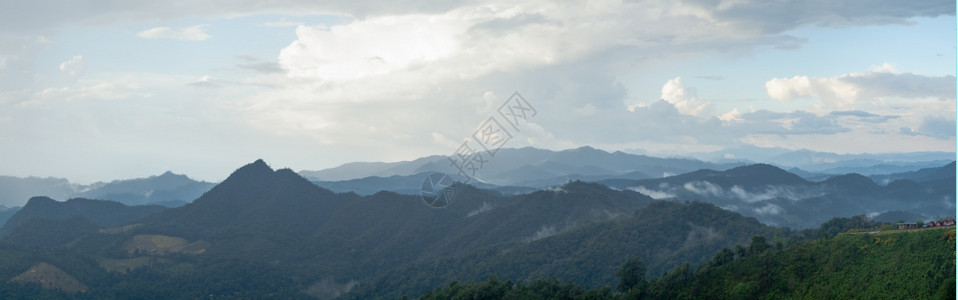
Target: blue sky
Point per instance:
(103, 90)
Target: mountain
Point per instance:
(355, 170)
(524, 167)
(842, 267)
(255, 198)
(866, 164)
(402, 184)
(829, 163)
(6, 213)
(42, 232)
(778, 197)
(946, 172)
(264, 232)
(666, 234)
(14, 191)
(100, 212)
(167, 189)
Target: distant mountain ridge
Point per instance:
(923, 175)
(273, 230)
(272, 233)
(167, 189)
(99, 213)
(529, 167)
(830, 163)
(778, 197)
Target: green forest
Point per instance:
(900, 265)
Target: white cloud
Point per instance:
(423, 79)
(768, 209)
(370, 47)
(732, 116)
(420, 75)
(848, 90)
(482, 209)
(72, 69)
(655, 194)
(704, 188)
(194, 33)
(685, 100)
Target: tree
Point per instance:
(631, 275)
(723, 257)
(758, 245)
(740, 251)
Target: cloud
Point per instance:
(861, 116)
(419, 74)
(685, 100)
(207, 82)
(194, 33)
(938, 127)
(258, 65)
(768, 209)
(655, 194)
(847, 90)
(72, 69)
(756, 16)
(17, 59)
(370, 47)
(780, 16)
(482, 209)
(543, 232)
(704, 188)
(796, 122)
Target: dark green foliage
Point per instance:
(908, 265)
(758, 245)
(631, 275)
(101, 212)
(41, 232)
(838, 225)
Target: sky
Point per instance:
(100, 90)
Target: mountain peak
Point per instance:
(41, 200)
(258, 166)
(765, 174)
(250, 173)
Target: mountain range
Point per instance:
(264, 232)
(509, 171)
(777, 197)
(529, 167)
(167, 189)
(273, 233)
(829, 163)
(525, 169)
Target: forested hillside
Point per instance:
(916, 264)
(271, 233)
